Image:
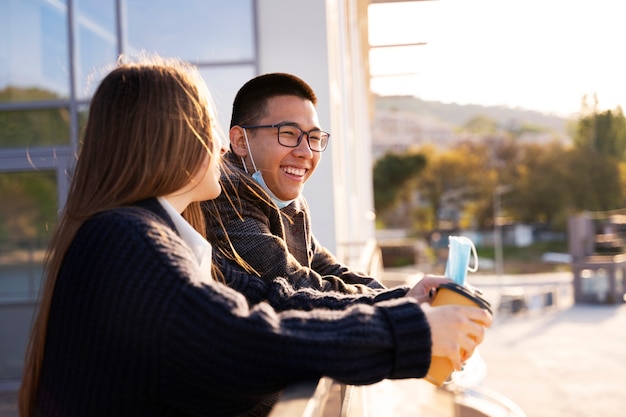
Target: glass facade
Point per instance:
(200, 31)
(28, 214)
(34, 128)
(53, 53)
(34, 54)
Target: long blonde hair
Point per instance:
(149, 128)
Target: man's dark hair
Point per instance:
(252, 97)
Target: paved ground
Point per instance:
(566, 362)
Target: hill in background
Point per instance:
(456, 115)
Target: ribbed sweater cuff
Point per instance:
(255, 290)
(413, 340)
(391, 294)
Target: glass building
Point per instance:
(53, 53)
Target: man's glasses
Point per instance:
(290, 136)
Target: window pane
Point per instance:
(96, 42)
(34, 128)
(28, 214)
(83, 112)
(33, 52)
(199, 31)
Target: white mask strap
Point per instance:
(245, 134)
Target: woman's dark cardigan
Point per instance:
(134, 330)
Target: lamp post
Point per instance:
(497, 228)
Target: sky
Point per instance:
(542, 55)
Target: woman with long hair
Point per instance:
(132, 319)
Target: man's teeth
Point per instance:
(294, 171)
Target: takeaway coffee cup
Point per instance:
(451, 293)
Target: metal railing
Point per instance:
(319, 398)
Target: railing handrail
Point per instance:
(303, 399)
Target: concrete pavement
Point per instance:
(562, 362)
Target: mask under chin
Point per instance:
(258, 177)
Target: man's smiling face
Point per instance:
(285, 170)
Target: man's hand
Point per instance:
(425, 287)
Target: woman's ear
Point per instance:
(238, 141)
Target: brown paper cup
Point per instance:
(451, 293)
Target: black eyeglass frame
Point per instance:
(299, 141)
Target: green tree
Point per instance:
(29, 206)
(603, 132)
(392, 173)
(541, 192)
(596, 161)
(29, 199)
(22, 128)
(497, 162)
(454, 177)
(481, 125)
(595, 181)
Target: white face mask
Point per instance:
(258, 177)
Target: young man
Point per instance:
(276, 143)
(261, 220)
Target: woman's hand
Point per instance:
(456, 330)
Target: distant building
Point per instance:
(399, 130)
(400, 123)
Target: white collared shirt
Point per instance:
(198, 244)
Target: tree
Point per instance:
(603, 132)
(595, 163)
(30, 198)
(392, 173)
(454, 177)
(542, 191)
(22, 128)
(481, 125)
(595, 181)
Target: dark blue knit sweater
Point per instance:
(134, 330)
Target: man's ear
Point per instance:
(238, 141)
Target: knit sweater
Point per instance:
(275, 242)
(135, 330)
